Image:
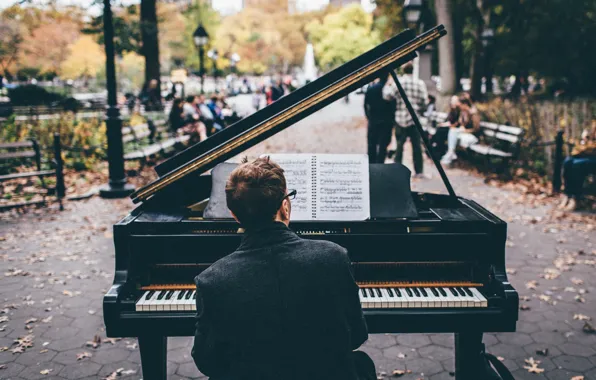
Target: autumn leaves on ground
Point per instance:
(56, 267)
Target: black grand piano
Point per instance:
(440, 268)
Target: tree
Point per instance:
(342, 36)
(150, 38)
(85, 59)
(447, 65)
(130, 71)
(10, 40)
(48, 45)
(388, 18)
(199, 12)
(127, 30)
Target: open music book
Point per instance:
(329, 186)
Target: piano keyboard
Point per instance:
(370, 298)
(167, 300)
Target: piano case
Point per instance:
(390, 194)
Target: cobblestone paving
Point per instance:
(55, 268)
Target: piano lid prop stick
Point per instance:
(404, 97)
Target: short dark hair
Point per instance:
(408, 68)
(255, 191)
(190, 98)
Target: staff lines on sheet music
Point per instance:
(276, 120)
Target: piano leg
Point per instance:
(469, 364)
(153, 356)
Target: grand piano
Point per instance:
(441, 269)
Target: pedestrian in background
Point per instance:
(380, 115)
(417, 93)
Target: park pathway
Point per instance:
(56, 266)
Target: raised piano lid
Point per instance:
(251, 130)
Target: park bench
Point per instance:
(497, 142)
(150, 139)
(22, 151)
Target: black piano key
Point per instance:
(181, 294)
(454, 292)
(423, 291)
(363, 290)
(169, 294)
(188, 294)
(194, 295)
(378, 291)
(435, 292)
(161, 295)
(468, 292)
(443, 292)
(370, 292)
(150, 294)
(397, 291)
(409, 291)
(461, 292)
(390, 292)
(416, 292)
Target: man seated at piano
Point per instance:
(279, 307)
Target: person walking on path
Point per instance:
(417, 93)
(380, 115)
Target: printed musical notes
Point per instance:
(329, 186)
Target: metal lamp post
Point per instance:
(414, 14)
(214, 55)
(488, 37)
(201, 39)
(117, 186)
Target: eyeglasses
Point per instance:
(291, 195)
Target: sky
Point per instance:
(224, 6)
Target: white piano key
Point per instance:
(140, 302)
(432, 301)
(402, 300)
(146, 302)
(189, 301)
(479, 296)
(451, 299)
(171, 304)
(159, 303)
(390, 298)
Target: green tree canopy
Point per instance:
(342, 36)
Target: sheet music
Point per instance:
(329, 186)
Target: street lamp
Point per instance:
(201, 39)
(487, 38)
(412, 11)
(214, 55)
(117, 186)
(415, 14)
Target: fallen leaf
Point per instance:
(45, 371)
(577, 281)
(400, 373)
(111, 340)
(531, 284)
(511, 271)
(3, 366)
(542, 352)
(46, 320)
(67, 293)
(3, 319)
(544, 297)
(577, 378)
(500, 358)
(129, 372)
(83, 355)
(588, 328)
(532, 366)
(524, 307)
(580, 299)
(401, 356)
(581, 317)
(95, 342)
(43, 351)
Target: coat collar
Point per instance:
(267, 235)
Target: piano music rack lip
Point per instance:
(361, 284)
(385, 61)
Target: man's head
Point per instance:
(408, 68)
(256, 193)
(190, 99)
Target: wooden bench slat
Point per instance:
(18, 144)
(487, 150)
(42, 173)
(22, 154)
